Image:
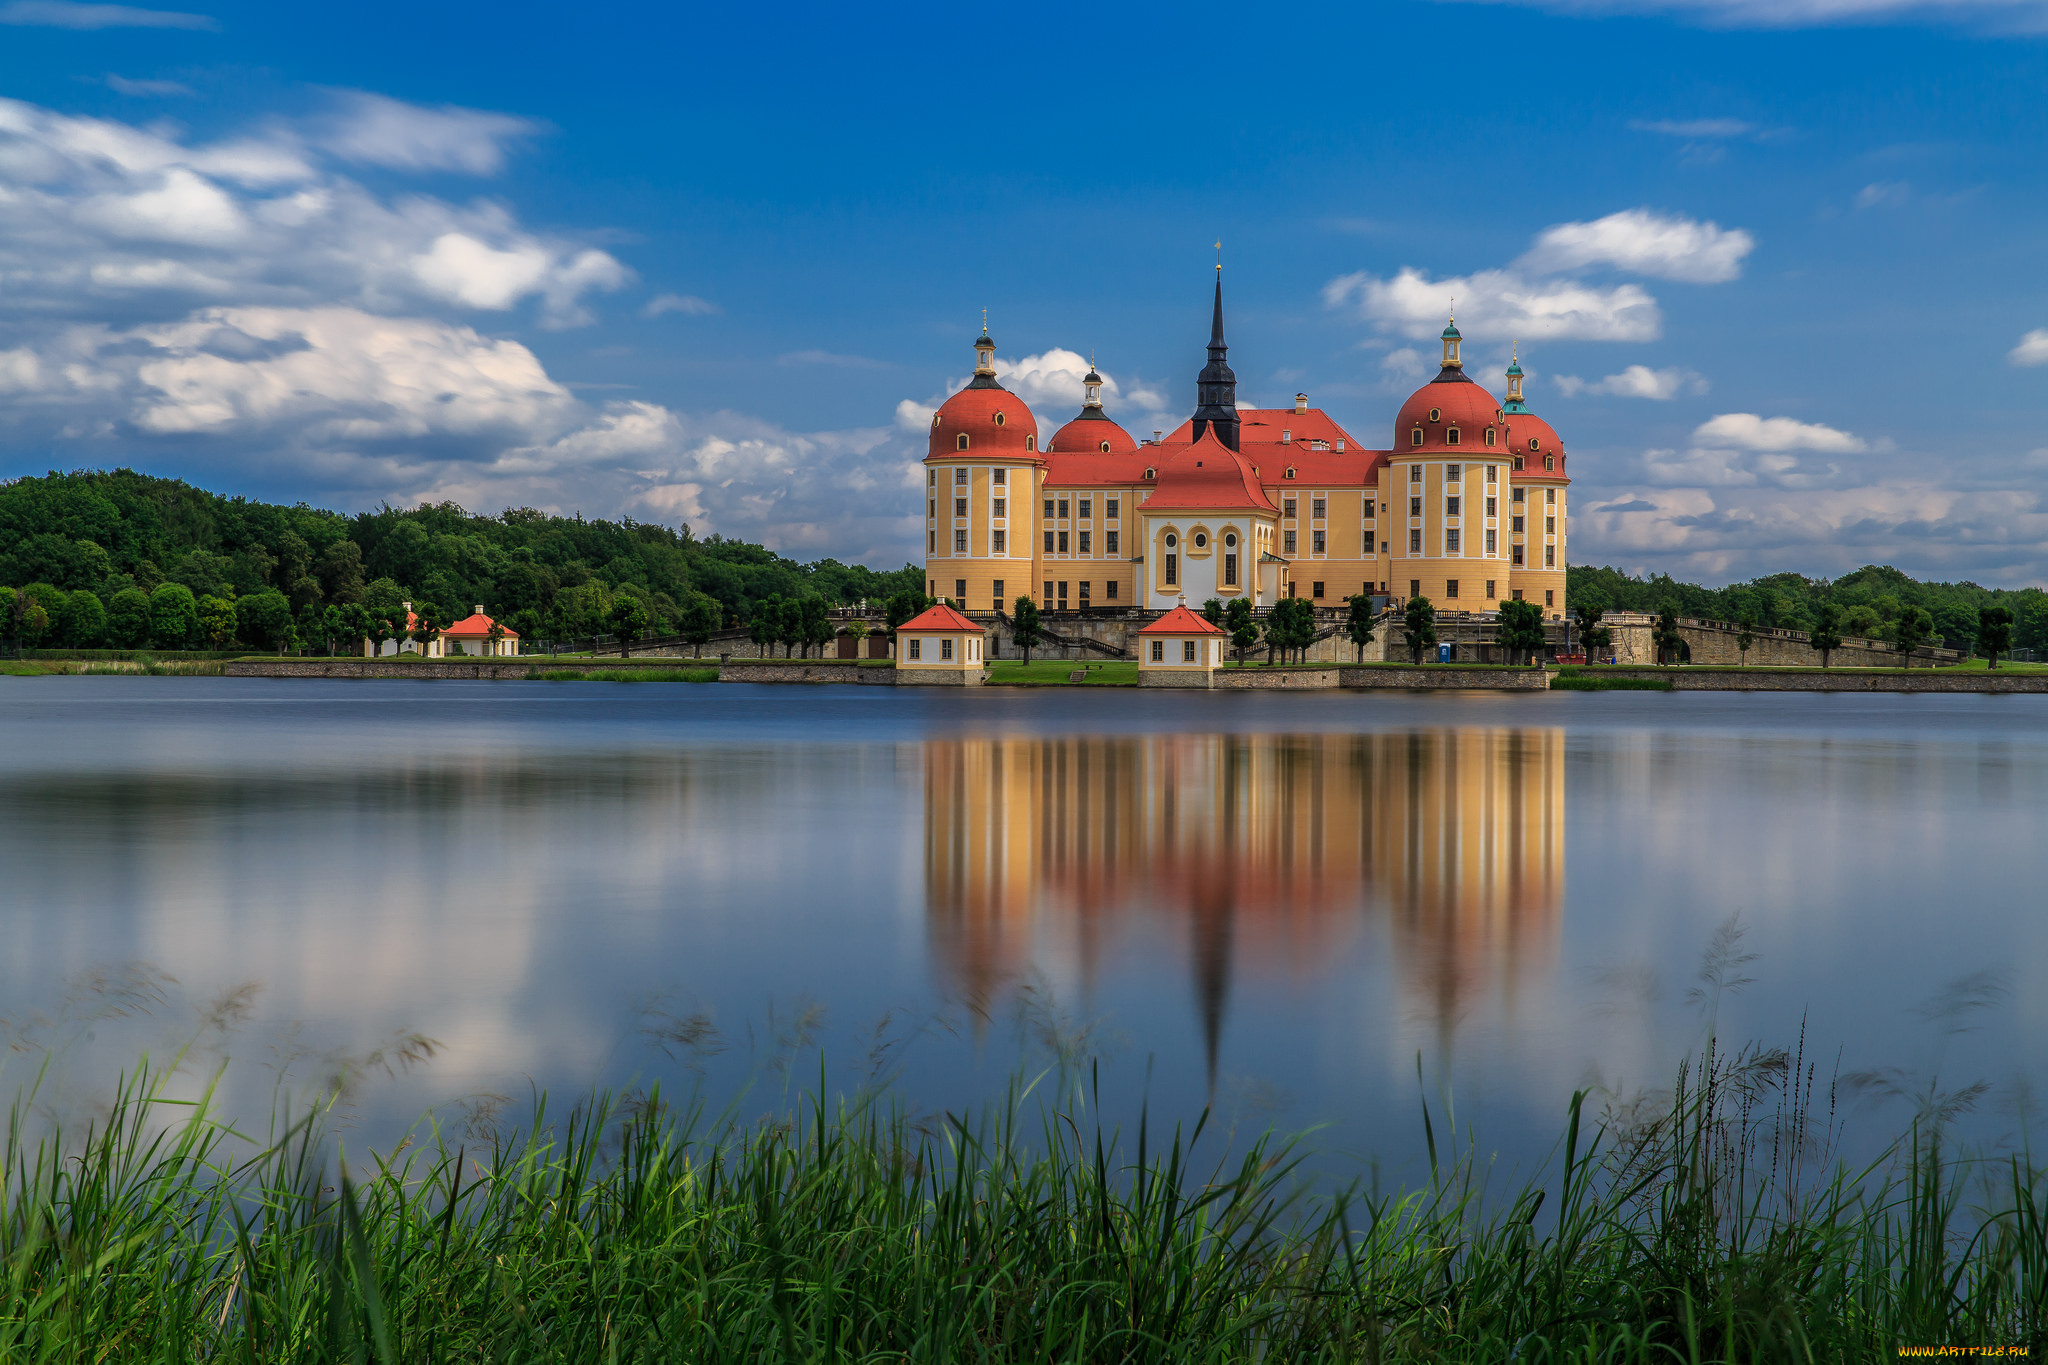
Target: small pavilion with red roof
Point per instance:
(939, 646)
(1180, 649)
(472, 635)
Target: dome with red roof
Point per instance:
(1530, 437)
(1207, 476)
(1448, 402)
(984, 418)
(1091, 432)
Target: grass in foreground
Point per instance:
(1054, 672)
(1712, 1229)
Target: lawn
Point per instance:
(1054, 673)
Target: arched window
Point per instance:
(1151, 473)
(962, 442)
(1550, 461)
(1415, 437)
(1105, 447)
(1490, 433)
(1453, 437)
(1031, 443)
(1290, 471)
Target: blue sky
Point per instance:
(1773, 267)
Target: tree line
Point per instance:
(1876, 602)
(125, 560)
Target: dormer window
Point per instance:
(1518, 462)
(1105, 447)
(935, 419)
(999, 419)
(1031, 443)
(1415, 437)
(1550, 461)
(1490, 435)
(1286, 436)
(1453, 437)
(961, 441)
(1534, 444)
(1290, 471)
(1151, 473)
(1436, 414)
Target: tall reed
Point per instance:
(1717, 1224)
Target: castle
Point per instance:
(1467, 507)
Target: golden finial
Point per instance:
(1219, 258)
(984, 322)
(1454, 310)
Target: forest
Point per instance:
(126, 560)
(1868, 603)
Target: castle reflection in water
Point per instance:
(1259, 854)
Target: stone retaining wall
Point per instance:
(1249, 679)
(1175, 677)
(1493, 679)
(803, 671)
(1755, 680)
(931, 677)
(372, 668)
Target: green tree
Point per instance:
(789, 625)
(1520, 631)
(1358, 623)
(1024, 628)
(9, 600)
(426, 625)
(1301, 632)
(815, 619)
(265, 618)
(1745, 636)
(1862, 623)
(85, 620)
(1212, 611)
(173, 616)
(765, 624)
(1242, 621)
(1418, 627)
(1911, 630)
(627, 619)
(856, 630)
(218, 621)
(41, 620)
(1994, 632)
(312, 627)
(357, 625)
(1823, 634)
(495, 635)
(1671, 645)
(702, 617)
(1594, 638)
(128, 619)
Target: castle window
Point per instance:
(1290, 471)
(1415, 437)
(1159, 651)
(999, 419)
(1453, 436)
(1000, 477)
(1187, 651)
(1171, 541)
(1031, 443)
(1230, 571)
(1201, 541)
(1048, 509)
(1490, 433)
(1518, 462)
(960, 442)
(1172, 570)
(1490, 473)
(1436, 414)
(1415, 473)
(1450, 587)
(1515, 555)
(959, 507)
(1550, 461)
(945, 649)
(1319, 508)
(931, 478)
(1492, 548)
(1230, 541)
(1109, 588)
(998, 507)
(1288, 542)
(996, 544)
(1451, 473)
(1451, 543)
(1109, 506)
(1534, 444)
(1151, 474)
(1109, 542)
(1490, 593)
(1063, 508)
(1415, 542)
(1549, 557)
(1105, 447)
(1287, 506)
(1550, 495)
(1286, 436)
(1321, 546)
(917, 649)
(960, 477)
(1048, 542)
(1085, 536)
(959, 542)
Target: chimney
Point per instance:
(479, 609)
(406, 605)
(1301, 402)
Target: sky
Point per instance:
(1773, 266)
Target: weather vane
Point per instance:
(984, 322)
(1219, 258)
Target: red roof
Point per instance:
(1459, 402)
(1085, 436)
(477, 625)
(1207, 476)
(940, 617)
(1531, 437)
(1181, 621)
(972, 412)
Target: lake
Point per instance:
(1304, 909)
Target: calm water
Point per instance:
(1283, 902)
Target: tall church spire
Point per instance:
(1216, 387)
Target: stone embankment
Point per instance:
(1830, 680)
(375, 668)
(804, 671)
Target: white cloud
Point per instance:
(1637, 381)
(2024, 15)
(121, 85)
(64, 14)
(1747, 431)
(1881, 193)
(1501, 303)
(1404, 367)
(105, 220)
(376, 130)
(689, 305)
(2032, 350)
(1643, 242)
(912, 415)
(1695, 128)
(1050, 385)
